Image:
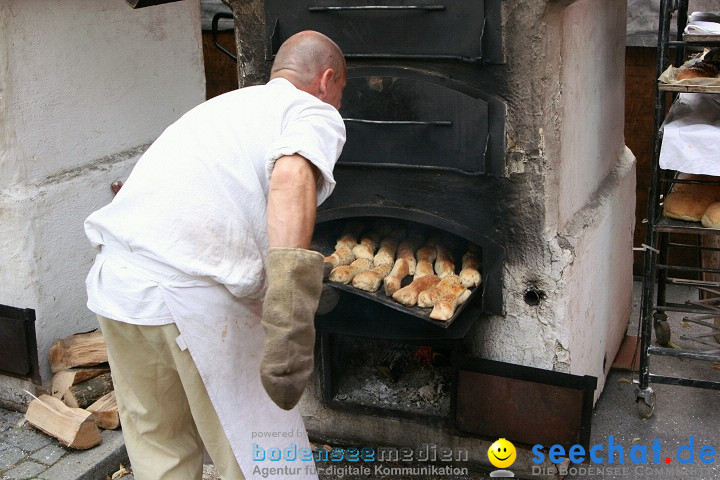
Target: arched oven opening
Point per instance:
(383, 356)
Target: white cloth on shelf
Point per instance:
(691, 135)
(703, 23)
(702, 28)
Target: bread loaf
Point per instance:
(386, 252)
(408, 295)
(370, 280)
(425, 257)
(406, 251)
(470, 275)
(444, 262)
(688, 206)
(448, 302)
(345, 273)
(350, 234)
(711, 186)
(711, 217)
(428, 298)
(367, 246)
(341, 256)
(698, 70)
(392, 282)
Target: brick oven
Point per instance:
(495, 123)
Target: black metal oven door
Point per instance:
(405, 119)
(448, 29)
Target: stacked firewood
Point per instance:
(81, 399)
(386, 254)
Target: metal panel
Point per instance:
(407, 121)
(385, 28)
(523, 404)
(18, 351)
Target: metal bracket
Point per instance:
(644, 248)
(646, 394)
(215, 21)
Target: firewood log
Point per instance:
(65, 379)
(81, 350)
(105, 412)
(394, 359)
(86, 393)
(73, 427)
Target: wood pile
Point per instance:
(82, 398)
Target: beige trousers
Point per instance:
(165, 411)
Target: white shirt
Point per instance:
(195, 203)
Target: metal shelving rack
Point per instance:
(658, 241)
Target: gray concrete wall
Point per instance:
(84, 88)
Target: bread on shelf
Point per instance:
(686, 205)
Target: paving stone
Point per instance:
(91, 464)
(9, 456)
(49, 454)
(24, 471)
(26, 438)
(9, 419)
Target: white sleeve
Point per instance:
(316, 131)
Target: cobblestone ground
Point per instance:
(24, 451)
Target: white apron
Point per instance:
(224, 336)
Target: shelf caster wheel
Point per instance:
(662, 330)
(645, 403)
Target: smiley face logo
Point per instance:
(502, 453)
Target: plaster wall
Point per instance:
(593, 100)
(85, 88)
(569, 170)
(598, 309)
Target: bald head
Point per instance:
(310, 60)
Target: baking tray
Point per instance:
(324, 242)
(422, 313)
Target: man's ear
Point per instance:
(325, 79)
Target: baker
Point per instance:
(204, 286)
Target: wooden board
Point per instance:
(669, 87)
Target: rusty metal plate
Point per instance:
(543, 408)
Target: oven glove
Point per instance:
(294, 279)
